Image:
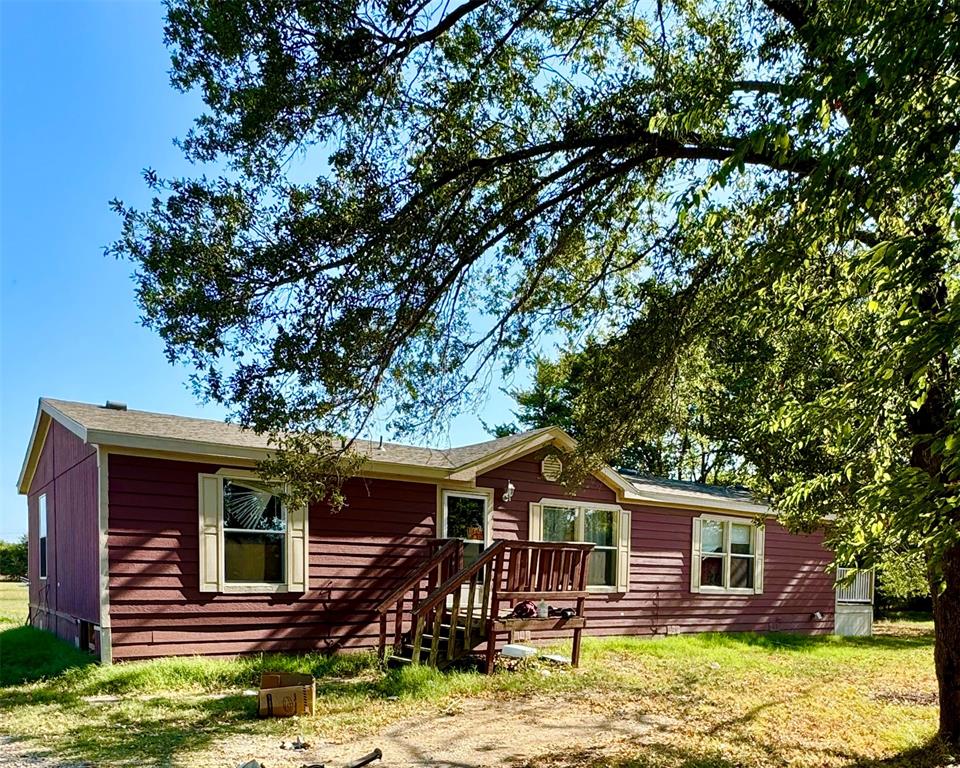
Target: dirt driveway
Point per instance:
(471, 733)
(474, 733)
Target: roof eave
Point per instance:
(119, 442)
(691, 501)
(38, 436)
(123, 441)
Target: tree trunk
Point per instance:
(946, 623)
(926, 423)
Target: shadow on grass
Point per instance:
(28, 654)
(152, 732)
(786, 641)
(180, 716)
(156, 712)
(159, 730)
(663, 755)
(933, 754)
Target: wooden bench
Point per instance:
(541, 571)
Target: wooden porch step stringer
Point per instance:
(446, 609)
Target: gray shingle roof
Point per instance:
(643, 482)
(169, 427)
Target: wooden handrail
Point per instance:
(432, 600)
(504, 570)
(418, 576)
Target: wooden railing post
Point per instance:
(435, 639)
(491, 589)
(454, 614)
(468, 624)
(580, 582)
(382, 647)
(417, 641)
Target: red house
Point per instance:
(150, 535)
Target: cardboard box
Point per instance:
(284, 694)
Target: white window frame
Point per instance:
(756, 554)
(222, 586)
(579, 533)
(43, 538)
(473, 493)
(259, 586)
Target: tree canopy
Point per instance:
(694, 431)
(409, 194)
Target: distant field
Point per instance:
(13, 602)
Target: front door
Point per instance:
(466, 516)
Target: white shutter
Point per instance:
(535, 528)
(623, 551)
(210, 505)
(760, 533)
(298, 549)
(695, 557)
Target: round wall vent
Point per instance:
(551, 467)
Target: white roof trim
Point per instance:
(697, 501)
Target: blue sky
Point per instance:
(85, 105)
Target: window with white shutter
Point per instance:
(250, 541)
(605, 526)
(726, 555)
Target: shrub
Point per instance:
(13, 558)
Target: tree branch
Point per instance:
(796, 12)
(758, 86)
(655, 145)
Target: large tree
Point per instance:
(402, 194)
(694, 431)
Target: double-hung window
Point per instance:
(254, 533)
(607, 527)
(727, 555)
(250, 540)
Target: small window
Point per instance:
(597, 526)
(726, 560)
(254, 533)
(465, 517)
(42, 521)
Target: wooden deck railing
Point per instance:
(857, 588)
(483, 575)
(505, 571)
(447, 559)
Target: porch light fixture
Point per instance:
(508, 492)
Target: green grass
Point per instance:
(28, 654)
(13, 603)
(754, 701)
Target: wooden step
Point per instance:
(425, 649)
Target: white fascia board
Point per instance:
(698, 502)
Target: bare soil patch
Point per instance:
(472, 733)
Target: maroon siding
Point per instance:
(796, 582)
(357, 557)
(67, 473)
(360, 554)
